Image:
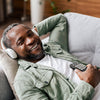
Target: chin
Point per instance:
(39, 55)
(35, 57)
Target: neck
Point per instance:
(38, 59)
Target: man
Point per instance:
(43, 70)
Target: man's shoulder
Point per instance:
(23, 65)
(22, 73)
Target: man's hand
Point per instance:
(35, 29)
(91, 75)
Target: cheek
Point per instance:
(36, 37)
(21, 51)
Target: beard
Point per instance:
(33, 57)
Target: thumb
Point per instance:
(77, 71)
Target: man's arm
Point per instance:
(83, 91)
(90, 79)
(58, 27)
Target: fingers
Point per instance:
(89, 65)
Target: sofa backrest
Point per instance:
(84, 37)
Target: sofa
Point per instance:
(83, 42)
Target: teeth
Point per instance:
(34, 47)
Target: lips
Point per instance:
(34, 47)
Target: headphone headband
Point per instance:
(2, 44)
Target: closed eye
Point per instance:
(20, 42)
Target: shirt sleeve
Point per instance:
(57, 25)
(83, 91)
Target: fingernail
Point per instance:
(76, 70)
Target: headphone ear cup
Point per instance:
(11, 53)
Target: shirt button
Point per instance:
(46, 82)
(28, 67)
(35, 67)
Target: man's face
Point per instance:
(27, 45)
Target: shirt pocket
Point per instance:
(44, 79)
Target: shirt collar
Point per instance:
(26, 64)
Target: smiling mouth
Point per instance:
(34, 47)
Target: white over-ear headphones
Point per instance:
(10, 51)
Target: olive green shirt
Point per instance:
(39, 82)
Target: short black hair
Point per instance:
(6, 41)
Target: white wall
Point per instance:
(9, 6)
(37, 11)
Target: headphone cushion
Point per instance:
(11, 53)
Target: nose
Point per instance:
(29, 40)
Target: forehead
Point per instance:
(17, 31)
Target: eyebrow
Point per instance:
(28, 31)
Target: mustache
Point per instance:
(35, 57)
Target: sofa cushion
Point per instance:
(84, 37)
(9, 67)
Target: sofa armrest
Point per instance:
(5, 89)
